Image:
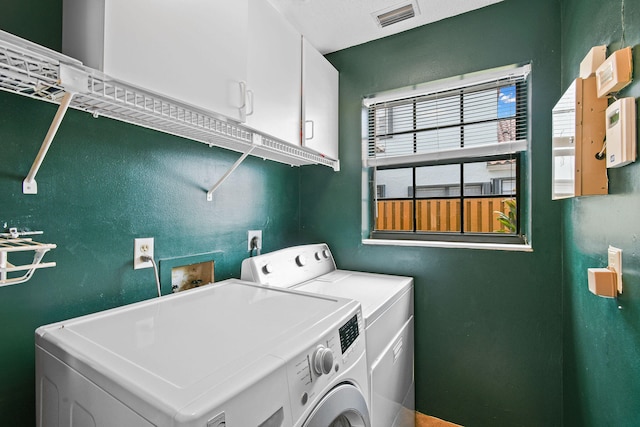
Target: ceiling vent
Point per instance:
(388, 17)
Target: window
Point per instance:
(445, 160)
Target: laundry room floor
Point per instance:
(427, 421)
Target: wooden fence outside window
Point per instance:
(442, 215)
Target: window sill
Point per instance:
(454, 245)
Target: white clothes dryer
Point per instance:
(232, 354)
(387, 306)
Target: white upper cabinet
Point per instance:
(320, 102)
(274, 74)
(236, 59)
(194, 51)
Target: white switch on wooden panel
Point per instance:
(615, 264)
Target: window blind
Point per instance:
(468, 118)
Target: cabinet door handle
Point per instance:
(243, 99)
(245, 94)
(250, 97)
(312, 129)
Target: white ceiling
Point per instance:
(331, 25)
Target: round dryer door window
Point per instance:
(344, 406)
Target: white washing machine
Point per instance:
(232, 354)
(387, 307)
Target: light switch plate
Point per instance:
(615, 264)
(615, 72)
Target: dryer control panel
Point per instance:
(337, 356)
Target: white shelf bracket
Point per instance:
(73, 80)
(229, 172)
(29, 185)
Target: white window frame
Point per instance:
(370, 162)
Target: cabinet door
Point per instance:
(274, 74)
(192, 50)
(320, 102)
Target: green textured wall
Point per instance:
(488, 323)
(102, 184)
(602, 342)
(491, 346)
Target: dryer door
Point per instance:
(344, 406)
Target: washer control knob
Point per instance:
(325, 253)
(318, 256)
(268, 268)
(322, 360)
(301, 260)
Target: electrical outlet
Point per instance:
(142, 247)
(615, 264)
(250, 235)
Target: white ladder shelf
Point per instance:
(13, 243)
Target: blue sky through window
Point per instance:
(507, 102)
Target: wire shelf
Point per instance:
(34, 71)
(28, 73)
